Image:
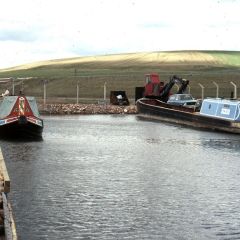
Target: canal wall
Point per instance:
(62, 109)
(7, 223)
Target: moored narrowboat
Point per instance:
(19, 118)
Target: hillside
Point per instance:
(126, 71)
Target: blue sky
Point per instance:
(34, 30)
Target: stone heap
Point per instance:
(87, 109)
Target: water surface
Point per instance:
(116, 177)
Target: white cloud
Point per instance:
(46, 29)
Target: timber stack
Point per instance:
(7, 224)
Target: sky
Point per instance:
(35, 30)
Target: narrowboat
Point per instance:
(215, 114)
(19, 118)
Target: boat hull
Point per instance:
(155, 109)
(18, 130)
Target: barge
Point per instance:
(215, 114)
(19, 118)
(211, 113)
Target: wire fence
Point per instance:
(94, 89)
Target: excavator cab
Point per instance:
(154, 88)
(153, 85)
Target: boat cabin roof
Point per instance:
(221, 108)
(8, 103)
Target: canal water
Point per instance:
(118, 177)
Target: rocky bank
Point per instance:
(61, 109)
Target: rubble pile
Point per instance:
(87, 109)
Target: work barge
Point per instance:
(7, 223)
(213, 114)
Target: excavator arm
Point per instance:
(167, 88)
(184, 83)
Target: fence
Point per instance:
(95, 89)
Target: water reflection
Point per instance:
(216, 140)
(227, 144)
(223, 144)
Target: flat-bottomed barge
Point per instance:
(155, 109)
(181, 108)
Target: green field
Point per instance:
(125, 72)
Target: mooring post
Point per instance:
(217, 90)
(202, 87)
(235, 90)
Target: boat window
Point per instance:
(226, 106)
(209, 106)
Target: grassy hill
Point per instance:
(125, 72)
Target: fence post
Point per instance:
(202, 87)
(104, 91)
(13, 86)
(44, 93)
(235, 90)
(217, 91)
(77, 91)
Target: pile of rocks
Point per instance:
(87, 109)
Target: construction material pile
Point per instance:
(86, 109)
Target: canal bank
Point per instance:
(7, 223)
(62, 109)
